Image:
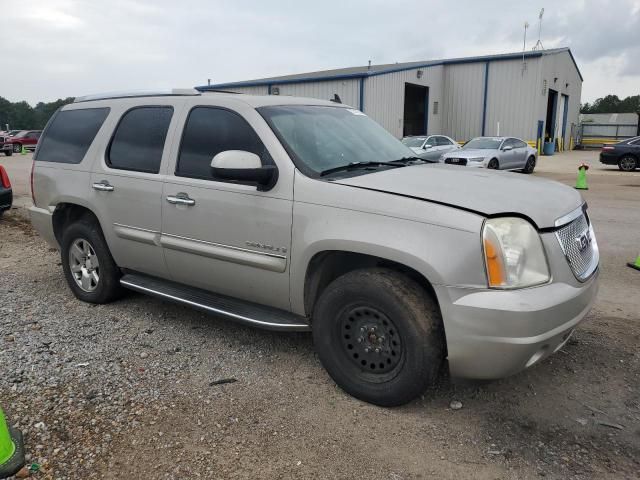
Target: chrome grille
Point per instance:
(579, 246)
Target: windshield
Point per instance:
(415, 142)
(321, 138)
(483, 144)
(20, 134)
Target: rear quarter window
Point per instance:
(70, 134)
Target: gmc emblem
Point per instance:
(583, 241)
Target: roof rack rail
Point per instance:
(139, 93)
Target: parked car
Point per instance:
(6, 192)
(299, 214)
(499, 153)
(430, 147)
(625, 154)
(27, 138)
(5, 147)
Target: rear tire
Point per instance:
(628, 163)
(379, 335)
(494, 164)
(530, 165)
(88, 266)
(17, 148)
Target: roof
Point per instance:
(374, 70)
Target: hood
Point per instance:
(473, 153)
(485, 192)
(417, 149)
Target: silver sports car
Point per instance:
(430, 147)
(499, 153)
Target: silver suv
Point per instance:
(297, 214)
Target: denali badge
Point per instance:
(583, 241)
(266, 247)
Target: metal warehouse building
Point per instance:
(532, 95)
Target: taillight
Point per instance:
(33, 193)
(608, 148)
(4, 178)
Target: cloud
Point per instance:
(65, 48)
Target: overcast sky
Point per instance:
(58, 48)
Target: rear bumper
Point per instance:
(609, 158)
(494, 334)
(42, 221)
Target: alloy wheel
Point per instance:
(84, 265)
(627, 164)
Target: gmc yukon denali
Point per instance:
(296, 214)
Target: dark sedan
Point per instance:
(6, 193)
(625, 154)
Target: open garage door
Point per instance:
(416, 101)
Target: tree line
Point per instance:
(613, 104)
(22, 116)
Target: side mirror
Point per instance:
(243, 167)
(507, 148)
(426, 147)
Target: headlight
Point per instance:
(477, 159)
(513, 252)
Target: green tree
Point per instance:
(613, 104)
(21, 115)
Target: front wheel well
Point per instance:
(68, 213)
(327, 266)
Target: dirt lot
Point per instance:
(125, 390)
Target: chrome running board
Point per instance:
(260, 316)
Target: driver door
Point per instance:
(508, 156)
(222, 236)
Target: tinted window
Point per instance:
(432, 141)
(210, 131)
(138, 141)
(443, 141)
(510, 142)
(69, 135)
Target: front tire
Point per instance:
(88, 266)
(494, 164)
(530, 165)
(379, 335)
(627, 163)
(8, 153)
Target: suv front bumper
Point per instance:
(496, 333)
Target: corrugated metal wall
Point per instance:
(512, 99)
(348, 90)
(261, 90)
(557, 72)
(463, 100)
(384, 97)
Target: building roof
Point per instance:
(373, 70)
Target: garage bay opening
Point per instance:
(416, 99)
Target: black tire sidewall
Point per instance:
(416, 320)
(109, 284)
(8, 153)
(493, 161)
(530, 167)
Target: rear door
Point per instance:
(127, 185)
(521, 153)
(222, 236)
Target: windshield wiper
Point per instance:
(357, 165)
(406, 160)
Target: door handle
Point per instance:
(103, 186)
(181, 199)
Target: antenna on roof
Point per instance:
(336, 98)
(208, 82)
(524, 46)
(538, 45)
(369, 67)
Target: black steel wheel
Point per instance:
(379, 335)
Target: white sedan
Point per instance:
(499, 153)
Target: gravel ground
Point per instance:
(128, 390)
